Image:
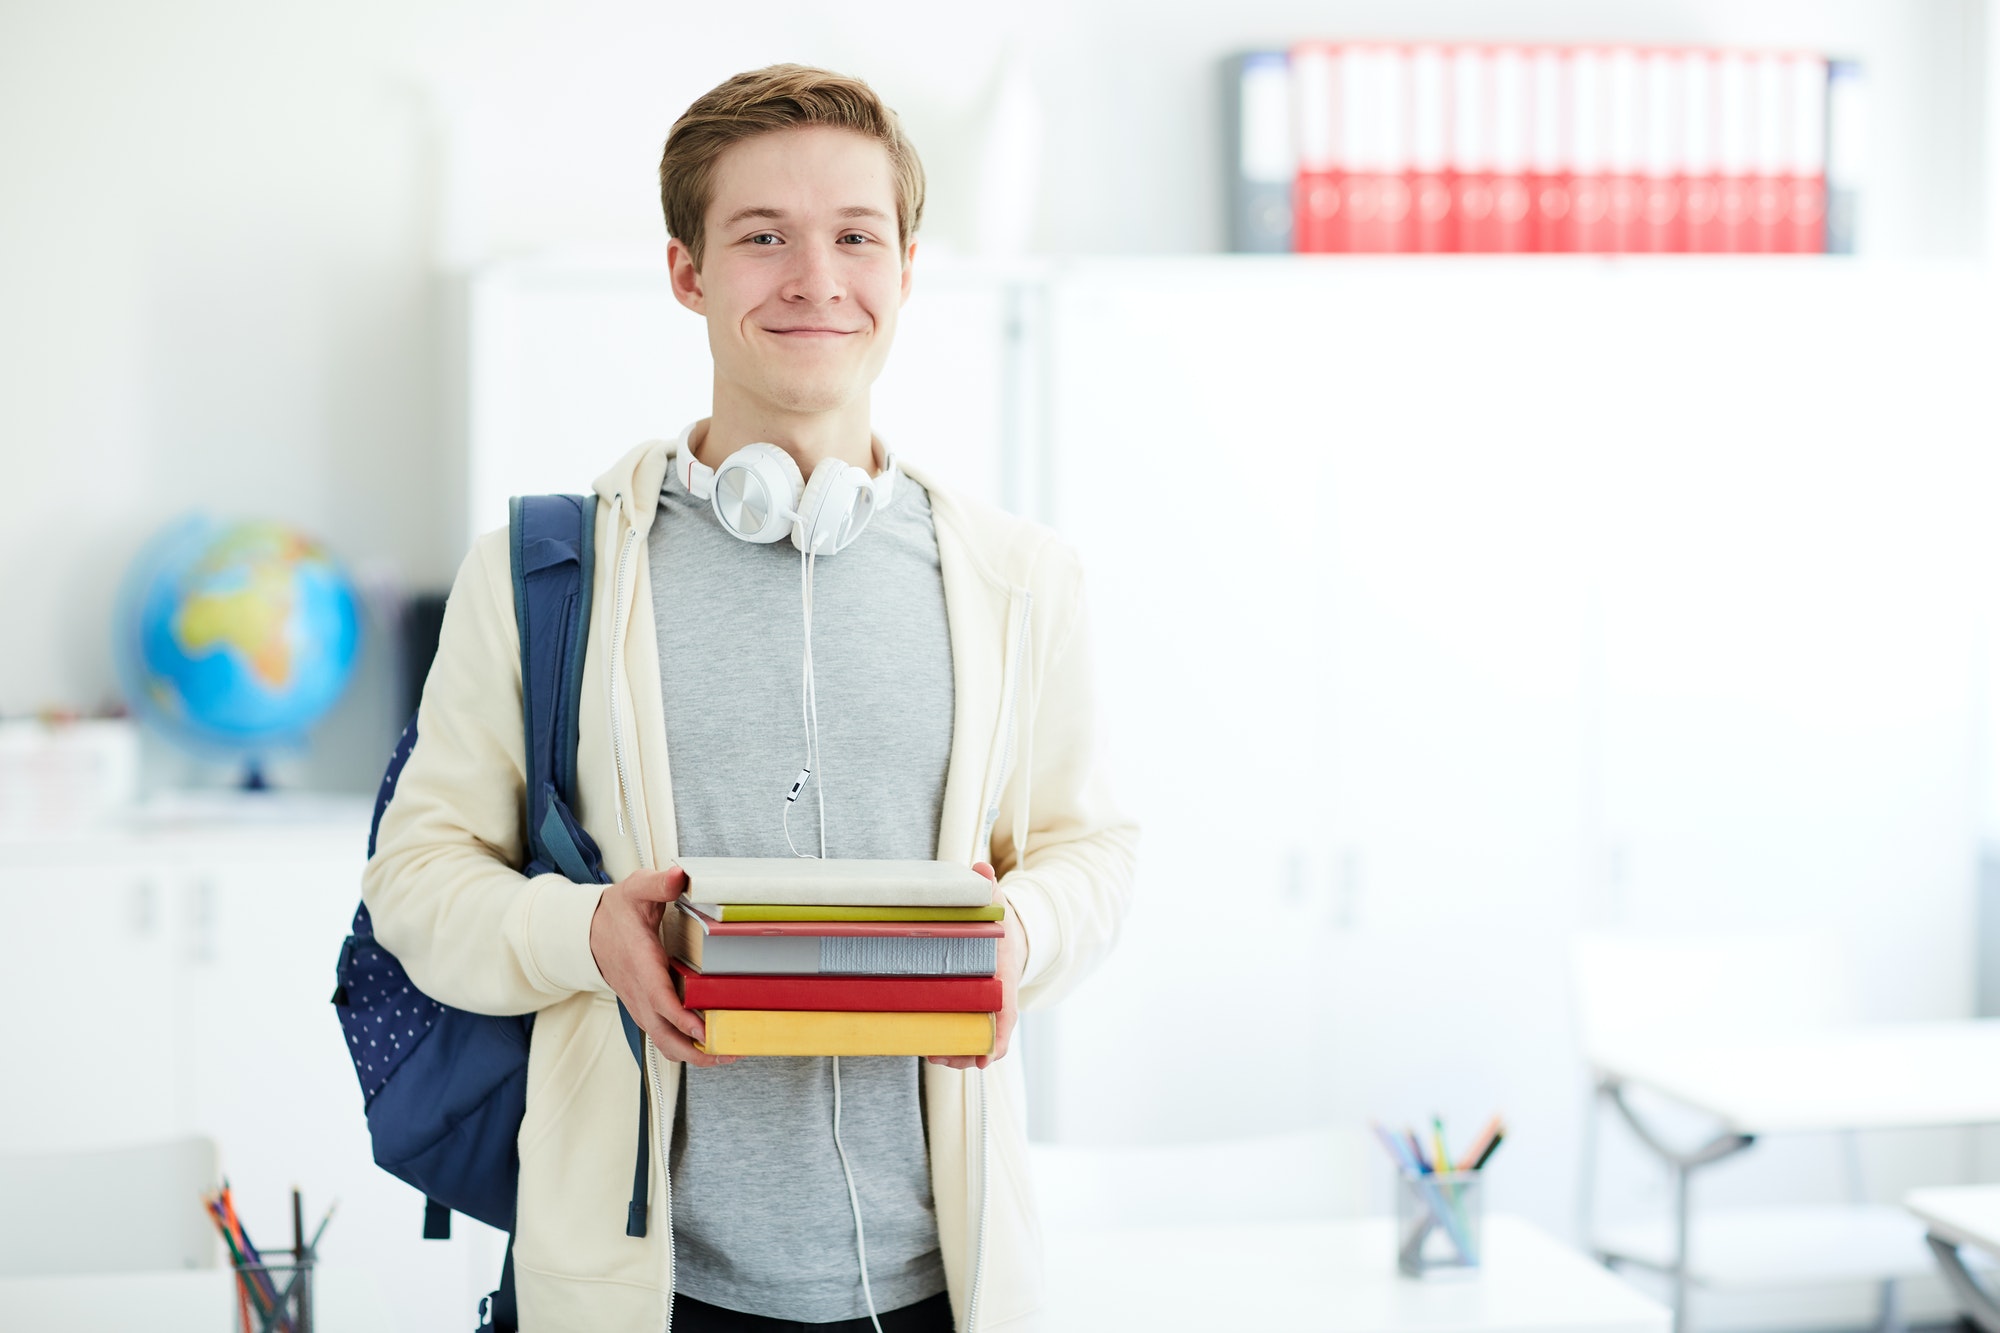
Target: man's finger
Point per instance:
(661, 1000)
(658, 886)
(683, 1018)
(675, 1046)
(981, 868)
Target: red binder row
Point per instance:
(1499, 149)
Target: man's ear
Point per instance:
(909, 258)
(686, 278)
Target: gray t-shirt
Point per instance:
(762, 1221)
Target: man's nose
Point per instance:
(814, 278)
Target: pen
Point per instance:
(301, 1322)
(313, 1247)
(1475, 1152)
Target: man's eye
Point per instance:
(855, 236)
(764, 238)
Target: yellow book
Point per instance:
(809, 1032)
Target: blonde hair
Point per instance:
(759, 101)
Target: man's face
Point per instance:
(802, 273)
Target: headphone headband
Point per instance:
(698, 478)
(758, 494)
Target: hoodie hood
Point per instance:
(640, 473)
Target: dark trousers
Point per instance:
(693, 1316)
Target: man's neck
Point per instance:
(808, 437)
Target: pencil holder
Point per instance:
(1440, 1219)
(276, 1296)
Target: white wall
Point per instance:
(223, 224)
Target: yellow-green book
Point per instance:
(811, 1032)
(799, 912)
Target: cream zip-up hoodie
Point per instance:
(1023, 790)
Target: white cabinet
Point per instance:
(90, 982)
(1444, 607)
(175, 977)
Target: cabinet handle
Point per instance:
(202, 913)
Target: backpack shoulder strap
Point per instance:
(552, 551)
(553, 541)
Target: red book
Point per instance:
(1548, 163)
(1770, 194)
(1374, 148)
(1433, 225)
(1736, 130)
(1662, 226)
(1623, 150)
(1701, 186)
(1590, 182)
(1807, 181)
(1513, 201)
(1319, 226)
(1472, 131)
(857, 995)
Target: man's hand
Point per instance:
(1013, 956)
(625, 941)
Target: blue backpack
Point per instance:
(445, 1089)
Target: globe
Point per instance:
(234, 638)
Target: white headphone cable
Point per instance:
(809, 715)
(854, 1200)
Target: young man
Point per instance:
(954, 713)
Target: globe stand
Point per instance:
(253, 776)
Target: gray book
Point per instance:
(792, 951)
(1257, 151)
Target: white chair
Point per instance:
(1320, 1173)
(112, 1240)
(1634, 991)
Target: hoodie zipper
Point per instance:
(666, 1195)
(629, 823)
(996, 779)
(985, 1198)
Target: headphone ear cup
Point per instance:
(836, 506)
(756, 491)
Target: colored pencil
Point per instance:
(1475, 1152)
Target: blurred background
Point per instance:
(1450, 608)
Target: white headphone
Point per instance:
(758, 494)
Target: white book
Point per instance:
(809, 882)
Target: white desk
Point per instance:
(201, 1300)
(1330, 1277)
(1968, 1216)
(1868, 1076)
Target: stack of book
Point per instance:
(1389, 148)
(802, 957)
